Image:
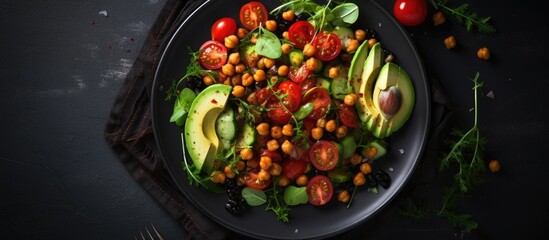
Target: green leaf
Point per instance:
(182, 105)
(345, 13)
(254, 197)
(268, 44)
(295, 195)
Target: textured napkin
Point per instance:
(129, 131)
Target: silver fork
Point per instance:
(148, 234)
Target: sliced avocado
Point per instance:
(366, 110)
(357, 66)
(200, 136)
(394, 96)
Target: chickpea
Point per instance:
(333, 72)
(246, 154)
(240, 68)
(356, 159)
(350, 99)
(218, 177)
(234, 58)
(283, 181)
(208, 80)
(369, 152)
(263, 175)
(321, 122)
(253, 39)
(341, 131)
(309, 50)
(252, 98)
(231, 41)
(263, 129)
(287, 147)
(494, 166)
(286, 48)
(438, 18)
(283, 70)
(259, 75)
(275, 169)
(261, 64)
(239, 91)
(265, 162)
(317, 133)
(288, 15)
(268, 62)
(285, 35)
(236, 80)
(360, 35)
(311, 64)
(352, 45)
(371, 42)
(288, 130)
(302, 180)
(240, 165)
(366, 168)
(228, 69)
(344, 196)
(359, 179)
(272, 145)
(270, 25)
(276, 132)
(246, 80)
(330, 126)
(241, 33)
(483, 53)
(229, 172)
(450, 42)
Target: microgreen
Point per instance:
(463, 15)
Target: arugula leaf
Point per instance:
(345, 14)
(464, 16)
(182, 105)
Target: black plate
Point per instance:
(306, 221)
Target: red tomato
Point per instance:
(263, 95)
(319, 190)
(291, 93)
(278, 114)
(299, 74)
(253, 14)
(320, 98)
(307, 84)
(347, 115)
(327, 46)
(410, 12)
(294, 168)
(222, 28)
(250, 179)
(213, 55)
(324, 155)
(301, 33)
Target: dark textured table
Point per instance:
(62, 63)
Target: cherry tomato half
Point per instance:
(301, 33)
(327, 46)
(410, 12)
(294, 168)
(251, 180)
(324, 155)
(320, 98)
(299, 74)
(347, 115)
(213, 55)
(222, 28)
(319, 190)
(275, 156)
(277, 113)
(253, 14)
(291, 93)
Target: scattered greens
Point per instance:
(254, 197)
(276, 204)
(463, 15)
(182, 105)
(268, 44)
(295, 195)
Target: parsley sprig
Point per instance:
(463, 15)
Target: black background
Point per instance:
(62, 63)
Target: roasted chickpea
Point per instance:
(286, 48)
(288, 15)
(285, 35)
(311, 64)
(483, 53)
(494, 166)
(240, 165)
(208, 80)
(309, 50)
(321, 122)
(276, 132)
(360, 35)
(371, 42)
(450, 42)
(240, 68)
(288, 130)
(263, 129)
(352, 45)
(246, 154)
(287, 147)
(241, 33)
(265, 162)
(330, 126)
(356, 159)
(263, 175)
(365, 168)
(218, 177)
(438, 18)
(231, 41)
(270, 25)
(272, 145)
(253, 163)
(228, 69)
(246, 80)
(234, 58)
(369, 152)
(229, 172)
(359, 179)
(350, 99)
(283, 70)
(317, 133)
(302, 180)
(333, 72)
(259, 75)
(341, 131)
(275, 169)
(344, 196)
(239, 91)
(283, 181)
(268, 62)
(236, 80)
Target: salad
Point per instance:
(290, 107)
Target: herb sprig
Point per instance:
(463, 15)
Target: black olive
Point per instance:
(195, 83)
(371, 180)
(302, 17)
(370, 33)
(383, 178)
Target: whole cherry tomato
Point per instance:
(222, 28)
(410, 12)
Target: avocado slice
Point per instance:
(357, 66)
(394, 97)
(366, 110)
(200, 136)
